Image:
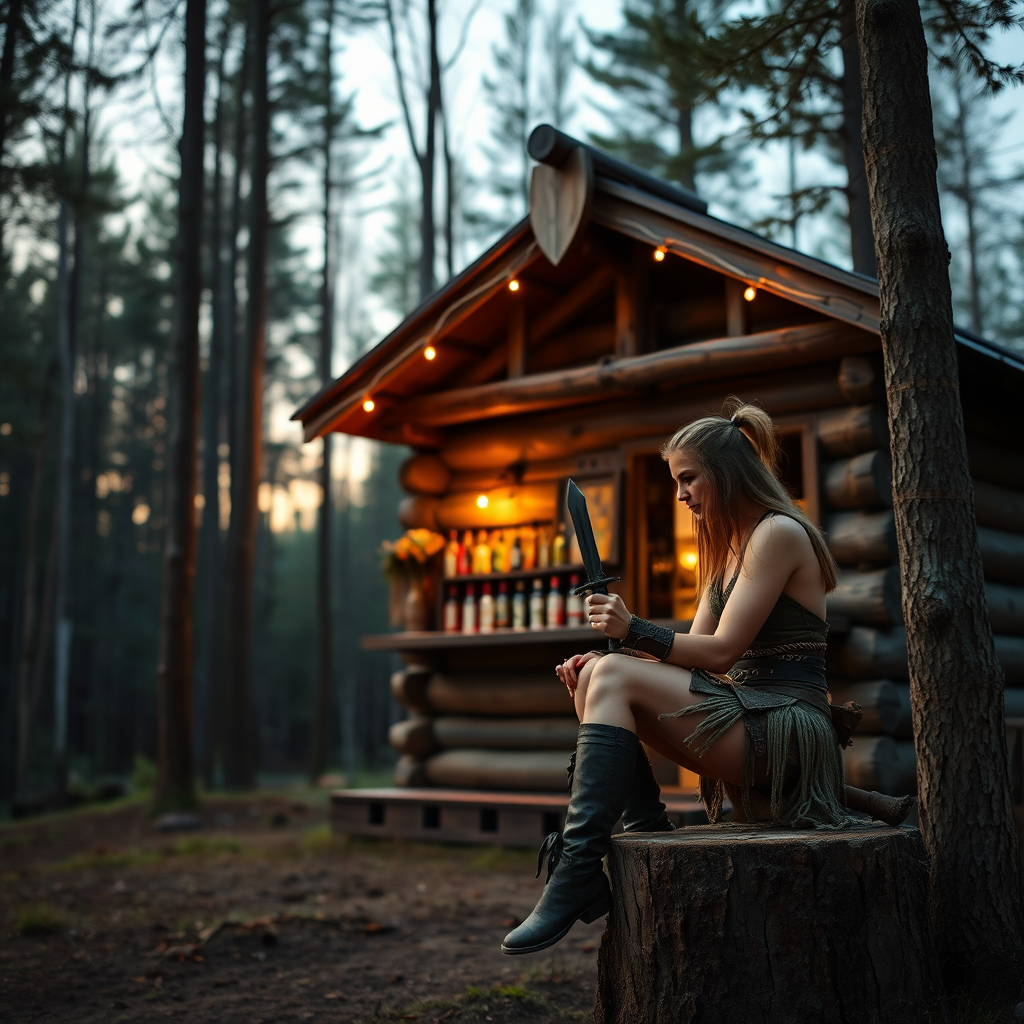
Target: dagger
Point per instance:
(597, 581)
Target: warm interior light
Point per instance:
(688, 560)
(429, 352)
(482, 501)
(659, 253)
(749, 292)
(368, 405)
(513, 285)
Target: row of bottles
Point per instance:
(511, 550)
(519, 610)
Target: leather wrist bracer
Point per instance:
(647, 637)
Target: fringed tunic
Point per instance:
(778, 689)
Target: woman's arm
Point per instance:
(777, 548)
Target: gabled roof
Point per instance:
(414, 398)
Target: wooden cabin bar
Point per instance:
(629, 317)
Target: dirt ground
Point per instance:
(261, 915)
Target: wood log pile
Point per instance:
(868, 648)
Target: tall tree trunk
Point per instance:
(956, 686)
(428, 160)
(8, 100)
(217, 668)
(239, 738)
(684, 114)
(31, 611)
(449, 196)
(175, 773)
(324, 570)
(862, 239)
(211, 576)
(65, 459)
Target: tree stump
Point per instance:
(724, 923)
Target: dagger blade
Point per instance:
(576, 501)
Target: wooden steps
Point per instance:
(468, 816)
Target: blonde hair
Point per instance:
(739, 454)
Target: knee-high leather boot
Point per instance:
(644, 811)
(577, 888)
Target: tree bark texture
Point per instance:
(239, 738)
(175, 771)
(428, 160)
(745, 923)
(956, 685)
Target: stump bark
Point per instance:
(724, 923)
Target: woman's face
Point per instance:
(691, 483)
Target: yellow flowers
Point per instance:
(412, 554)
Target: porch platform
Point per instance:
(469, 816)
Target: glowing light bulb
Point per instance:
(659, 254)
(368, 405)
(429, 352)
(688, 560)
(513, 285)
(749, 292)
(482, 501)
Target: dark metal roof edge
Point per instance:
(992, 349)
(409, 324)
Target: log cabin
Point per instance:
(616, 311)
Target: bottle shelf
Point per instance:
(515, 574)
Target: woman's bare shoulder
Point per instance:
(780, 535)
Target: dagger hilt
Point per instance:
(600, 586)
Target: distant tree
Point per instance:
(651, 65)
(560, 59)
(394, 278)
(965, 133)
(511, 93)
(175, 788)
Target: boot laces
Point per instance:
(552, 849)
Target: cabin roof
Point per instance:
(466, 321)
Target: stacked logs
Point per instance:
(483, 729)
(868, 653)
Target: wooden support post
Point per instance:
(735, 308)
(630, 302)
(741, 923)
(517, 341)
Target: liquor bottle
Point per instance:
(451, 611)
(502, 611)
(573, 604)
(559, 549)
(555, 606)
(469, 610)
(498, 551)
(537, 605)
(486, 610)
(515, 556)
(466, 554)
(529, 539)
(451, 554)
(543, 547)
(482, 554)
(519, 606)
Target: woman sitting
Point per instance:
(741, 699)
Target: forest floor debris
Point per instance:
(262, 915)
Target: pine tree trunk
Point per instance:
(175, 772)
(65, 464)
(862, 239)
(428, 161)
(239, 733)
(211, 576)
(324, 569)
(956, 686)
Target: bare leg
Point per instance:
(631, 694)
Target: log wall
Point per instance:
(473, 725)
(868, 649)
